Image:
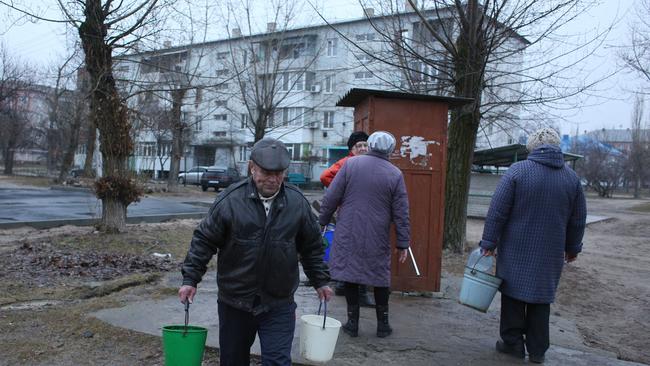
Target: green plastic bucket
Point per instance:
(184, 346)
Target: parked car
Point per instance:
(76, 172)
(192, 176)
(219, 177)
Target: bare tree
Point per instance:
(266, 67)
(602, 167)
(639, 155)
(474, 49)
(103, 26)
(15, 85)
(637, 56)
(174, 82)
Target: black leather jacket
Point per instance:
(257, 256)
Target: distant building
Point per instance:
(316, 67)
(620, 139)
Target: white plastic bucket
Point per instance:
(317, 343)
(478, 289)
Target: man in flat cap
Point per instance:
(259, 228)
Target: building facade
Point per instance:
(211, 100)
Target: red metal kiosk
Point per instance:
(419, 124)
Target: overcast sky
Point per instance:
(43, 43)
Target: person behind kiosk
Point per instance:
(357, 145)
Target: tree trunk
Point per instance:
(90, 150)
(178, 130)
(468, 82)
(460, 151)
(8, 160)
(73, 142)
(113, 216)
(109, 114)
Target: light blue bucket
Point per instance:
(478, 289)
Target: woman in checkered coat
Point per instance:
(535, 223)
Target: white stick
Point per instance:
(415, 265)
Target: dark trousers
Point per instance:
(352, 294)
(237, 329)
(524, 322)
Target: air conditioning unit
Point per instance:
(312, 124)
(315, 88)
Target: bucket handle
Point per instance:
(324, 312)
(473, 271)
(187, 316)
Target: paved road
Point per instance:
(41, 205)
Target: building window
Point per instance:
(285, 81)
(300, 83)
(364, 37)
(292, 116)
(294, 151)
(329, 83)
(223, 55)
(243, 120)
(198, 125)
(220, 103)
(220, 133)
(164, 149)
(244, 153)
(324, 156)
(363, 58)
(328, 119)
(147, 149)
(199, 95)
(222, 86)
(331, 47)
(221, 117)
(222, 72)
(363, 75)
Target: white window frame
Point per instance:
(243, 120)
(223, 55)
(329, 84)
(221, 117)
(331, 47)
(244, 153)
(299, 84)
(364, 75)
(328, 120)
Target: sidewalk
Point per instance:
(427, 331)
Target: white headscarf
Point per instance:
(543, 136)
(382, 142)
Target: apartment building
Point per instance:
(285, 82)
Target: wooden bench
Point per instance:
(296, 179)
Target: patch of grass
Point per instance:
(644, 207)
(27, 180)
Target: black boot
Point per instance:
(352, 326)
(365, 299)
(383, 328)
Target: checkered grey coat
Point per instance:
(537, 213)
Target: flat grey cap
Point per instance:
(270, 154)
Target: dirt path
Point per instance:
(606, 292)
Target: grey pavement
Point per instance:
(427, 331)
(44, 207)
